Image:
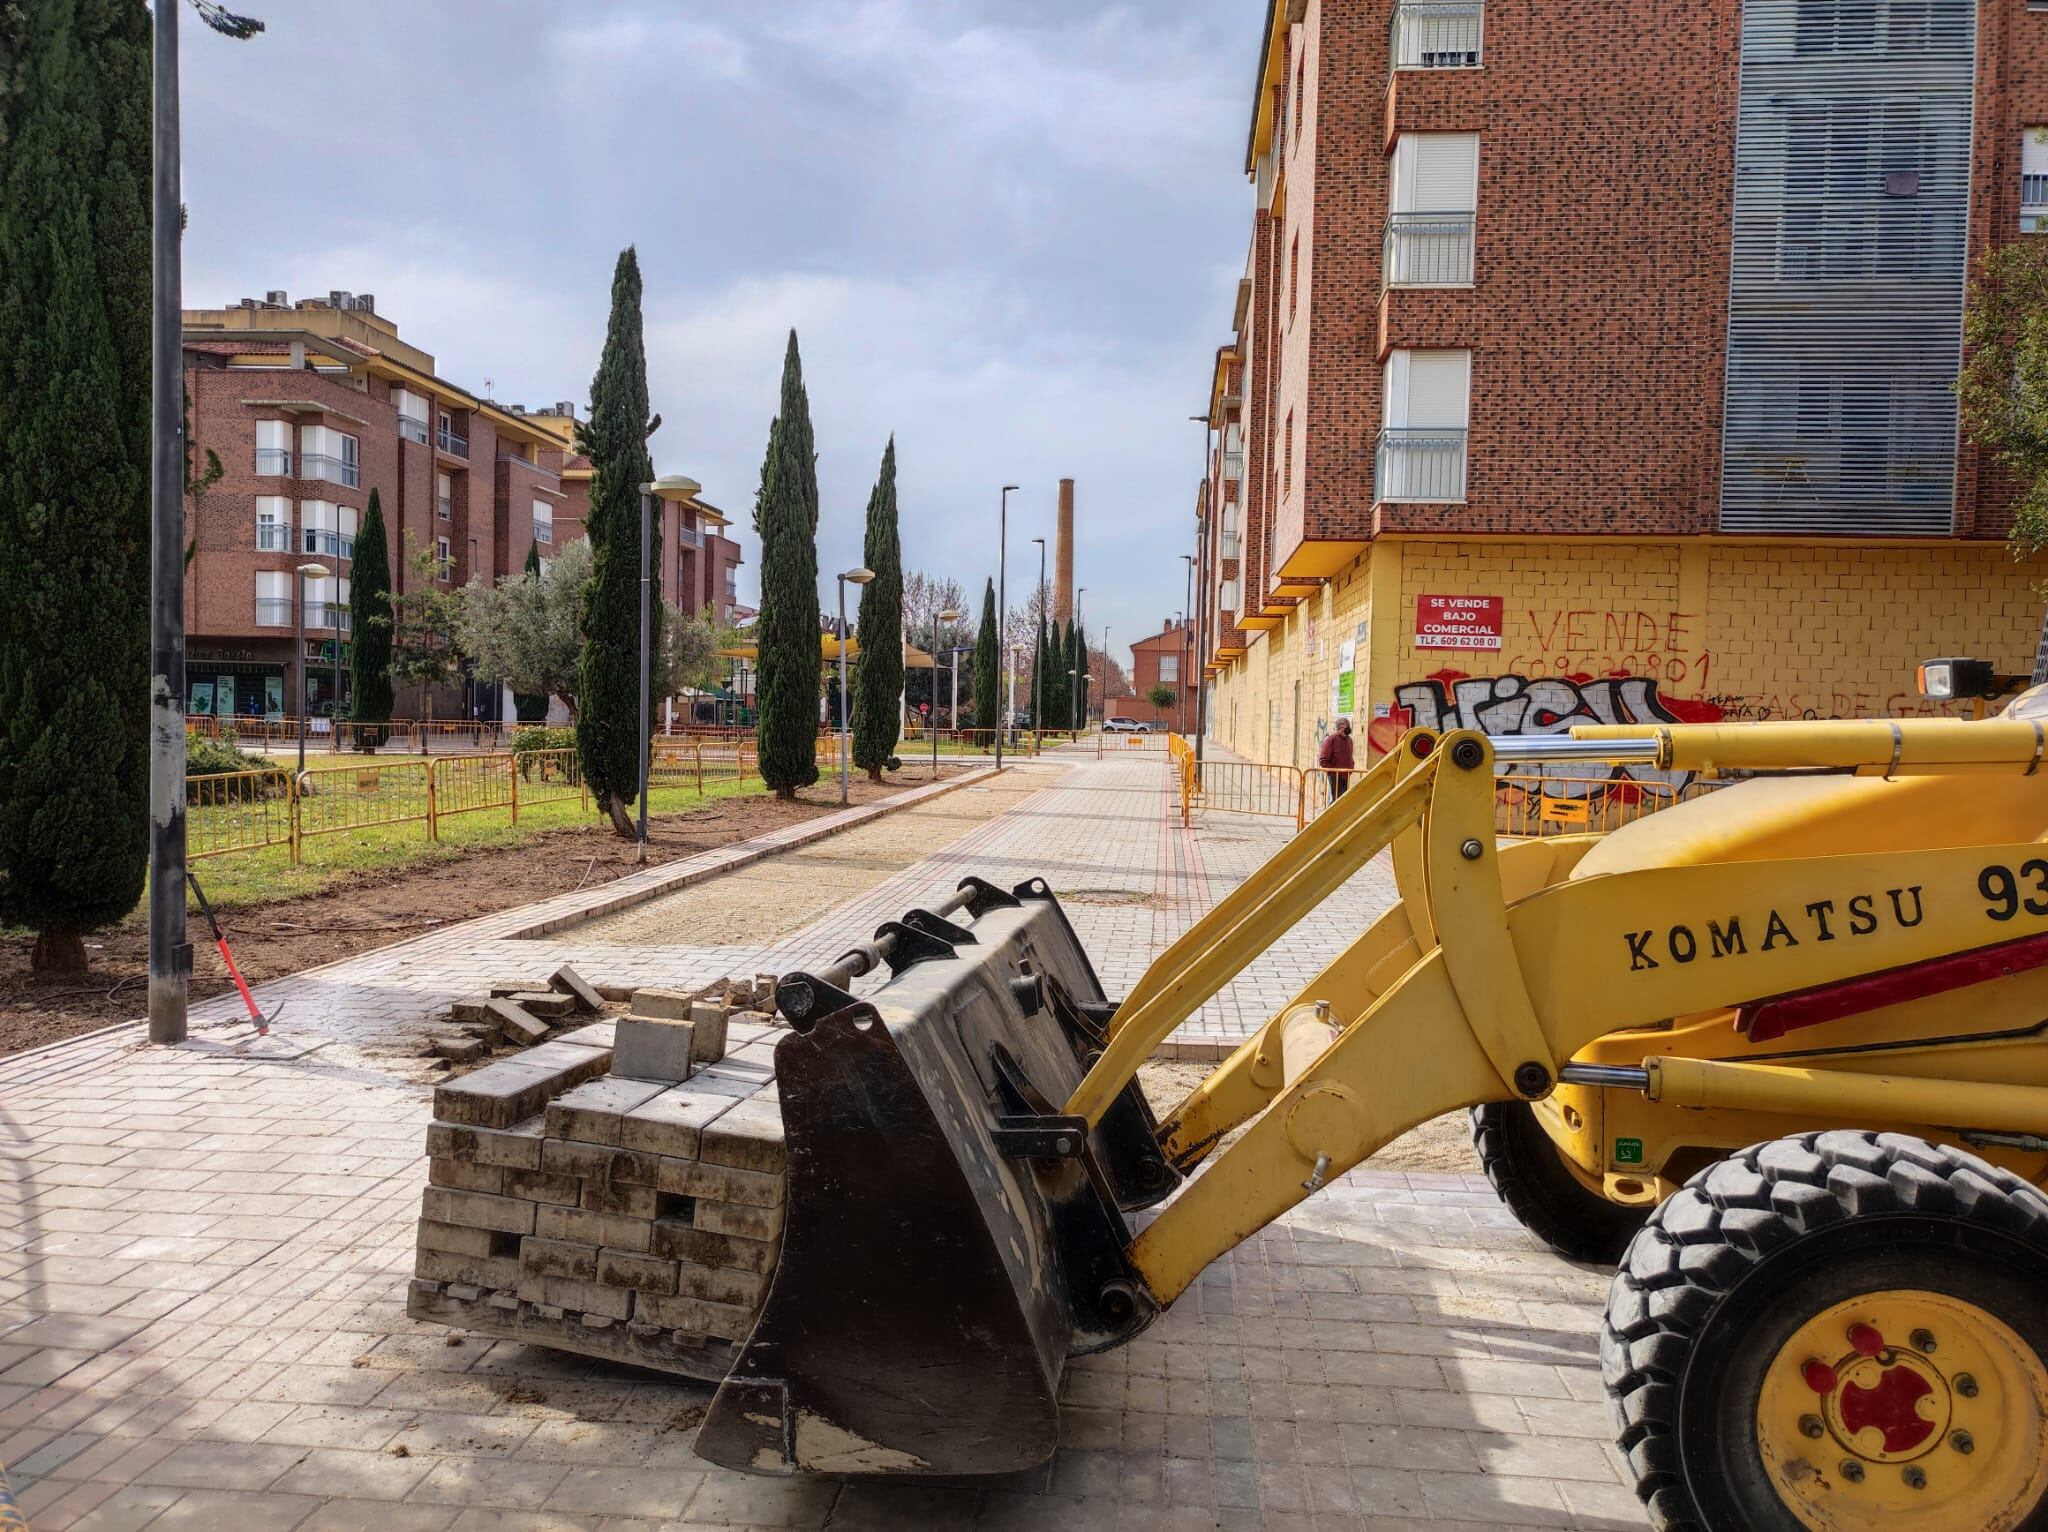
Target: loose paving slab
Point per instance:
(205, 1252)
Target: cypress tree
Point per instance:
(878, 673)
(74, 476)
(987, 666)
(531, 707)
(1077, 691)
(369, 620)
(788, 631)
(615, 438)
(1082, 671)
(1059, 712)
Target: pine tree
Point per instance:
(615, 438)
(878, 673)
(787, 683)
(987, 663)
(531, 707)
(74, 475)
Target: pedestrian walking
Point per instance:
(1336, 760)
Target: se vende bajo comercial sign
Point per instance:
(1459, 622)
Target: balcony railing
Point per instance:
(1420, 463)
(544, 533)
(412, 430)
(277, 460)
(1438, 34)
(273, 537)
(335, 470)
(1427, 250)
(327, 614)
(690, 537)
(450, 442)
(1233, 465)
(273, 611)
(444, 510)
(1229, 550)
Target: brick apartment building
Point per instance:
(1596, 362)
(1166, 658)
(310, 407)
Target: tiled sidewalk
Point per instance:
(204, 1250)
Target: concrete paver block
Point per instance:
(708, 1023)
(653, 1048)
(591, 1111)
(672, 1003)
(570, 982)
(515, 1023)
(548, 1004)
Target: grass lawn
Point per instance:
(259, 876)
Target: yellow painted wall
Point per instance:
(1758, 630)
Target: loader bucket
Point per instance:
(949, 1241)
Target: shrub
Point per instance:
(210, 757)
(538, 737)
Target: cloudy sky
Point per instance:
(1009, 231)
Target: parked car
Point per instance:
(1121, 725)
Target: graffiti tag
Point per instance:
(1542, 705)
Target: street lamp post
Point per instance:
(1003, 609)
(932, 717)
(1081, 628)
(307, 574)
(1105, 677)
(1187, 648)
(1206, 509)
(851, 577)
(668, 486)
(1038, 657)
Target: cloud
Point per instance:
(595, 49)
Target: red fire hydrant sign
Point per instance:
(1459, 622)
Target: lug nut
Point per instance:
(1923, 1342)
(1852, 1470)
(1809, 1425)
(1966, 1385)
(1471, 850)
(1962, 1441)
(1916, 1477)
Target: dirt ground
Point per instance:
(375, 910)
(1441, 1144)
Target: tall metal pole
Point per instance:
(1003, 614)
(953, 707)
(299, 647)
(646, 558)
(1038, 655)
(1187, 636)
(843, 752)
(1205, 510)
(932, 713)
(170, 954)
(1104, 693)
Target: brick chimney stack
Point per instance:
(1063, 557)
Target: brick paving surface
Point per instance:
(204, 1252)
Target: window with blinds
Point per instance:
(1852, 184)
(1432, 202)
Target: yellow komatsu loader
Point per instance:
(1780, 1051)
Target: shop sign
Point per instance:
(1459, 622)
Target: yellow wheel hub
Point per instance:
(1906, 1410)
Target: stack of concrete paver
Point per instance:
(615, 1191)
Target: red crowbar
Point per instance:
(220, 940)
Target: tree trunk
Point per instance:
(621, 820)
(58, 952)
(875, 774)
(785, 794)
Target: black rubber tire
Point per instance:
(1532, 1180)
(1726, 1270)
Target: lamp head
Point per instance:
(313, 571)
(858, 576)
(949, 615)
(673, 486)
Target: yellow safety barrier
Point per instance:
(237, 811)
